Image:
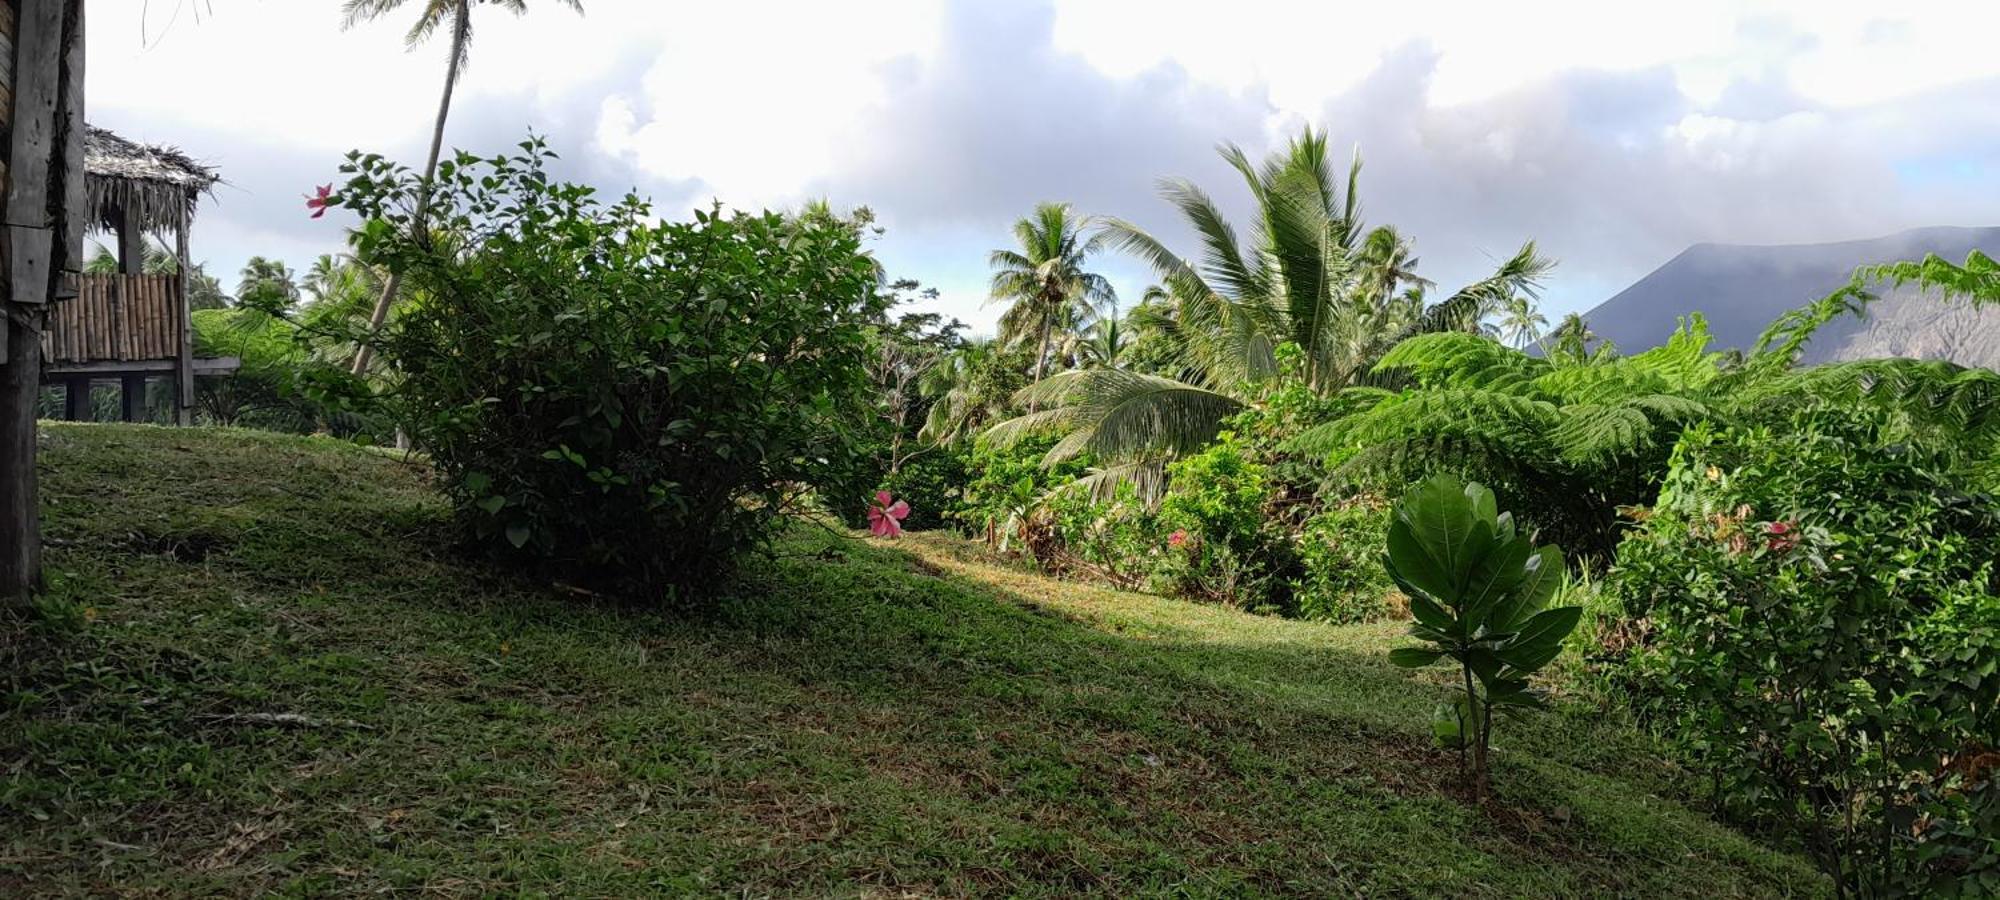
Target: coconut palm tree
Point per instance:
(1044, 281)
(970, 388)
(1521, 321)
(267, 282)
(432, 15)
(1311, 275)
(1103, 344)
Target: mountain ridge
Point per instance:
(1741, 288)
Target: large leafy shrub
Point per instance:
(1479, 590)
(932, 483)
(1813, 615)
(1340, 552)
(1005, 488)
(627, 400)
(1227, 547)
(1117, 539)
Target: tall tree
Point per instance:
(970, 388)
(1045, 281)
(456, 15)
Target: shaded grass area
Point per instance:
(855, 719)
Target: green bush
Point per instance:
(932, 483)
(1118, 540)
(1813, 615)
(1004, 491)
(628, 401)
(1340, 551)
(1224, 544)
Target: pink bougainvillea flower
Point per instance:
(886, 515)
(319, 202)
(1177, 539)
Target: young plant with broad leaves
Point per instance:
(1479, 591)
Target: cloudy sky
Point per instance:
(1613, 134)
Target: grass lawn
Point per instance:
(858, 718)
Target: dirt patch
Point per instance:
(186, 547)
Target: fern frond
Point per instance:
(1978, 280)
(1460, 360)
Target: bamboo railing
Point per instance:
(116, 318)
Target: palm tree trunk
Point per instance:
(461, 28)
(1042, 355)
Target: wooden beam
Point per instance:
(131, 245)
(119, 368)
(45, 41)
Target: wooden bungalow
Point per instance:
(131, 326)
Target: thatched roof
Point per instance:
(157, 185)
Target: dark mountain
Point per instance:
(1741, 288)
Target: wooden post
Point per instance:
(132, 398)
(184, 366)
(41, 118)
(76, 399)
(131, 245)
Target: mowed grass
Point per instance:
(856, 718)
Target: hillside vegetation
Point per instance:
(262, 669)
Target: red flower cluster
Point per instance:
(1177, 539)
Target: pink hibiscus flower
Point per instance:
(885, 518)
(320, 202)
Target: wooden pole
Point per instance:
(132, 398)
(76, 399)
(184, 366)
(41, 116)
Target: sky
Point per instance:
(1614, 135)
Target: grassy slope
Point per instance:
(860, 719)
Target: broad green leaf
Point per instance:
(1414, 657)
(1425, 610)
(1411, 564)
(1541, 638)
(518, 534)
(1448, 725)
(1542, 575)
(1493, 581)
(1442, 515)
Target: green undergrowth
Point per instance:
(262, 668)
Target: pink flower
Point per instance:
(320, 202)
(885, 518)
(1177, 539)
(1780, 537)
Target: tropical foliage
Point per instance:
(1312, 275)
(1813, 613)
